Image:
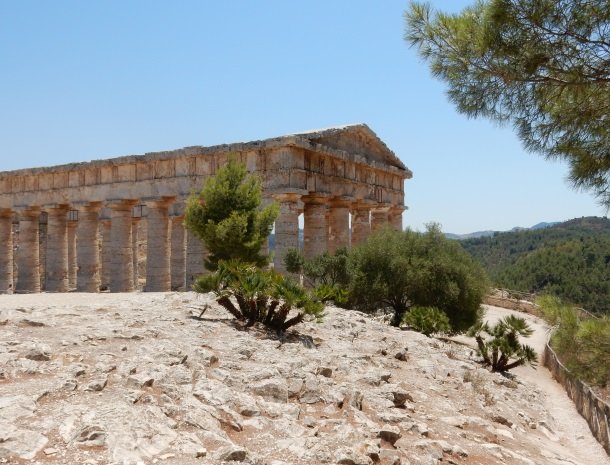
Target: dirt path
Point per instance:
(568, 430)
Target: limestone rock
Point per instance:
(19, 443)
(389, 433)
(272, 390)
(38, 353)
(231, 452)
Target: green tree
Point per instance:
(227, 216)
(503, 351)
(327, 273)
(400, 269)
(254, 295)
(542, 65)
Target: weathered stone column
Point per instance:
(379, 218)
(158, 271)
(286, 228)
(395, 217)
(315, 230)
(338, 235)
(195, 254)
(72, 265)
(361, 226)
(121, 261)
(136, 226)
(106, 252)
(178, 253)
(57, 249)
(88, 248)
(6, 250)
(28, 261)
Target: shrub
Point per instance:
(324, 269)
(332, 293)
(227, 217)
(253, 295)
(583, 345)
(401, 269)
(502, 351)
(427, 320)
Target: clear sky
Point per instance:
(86, 80)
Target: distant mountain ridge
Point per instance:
(487, 233)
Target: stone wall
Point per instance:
(591, 407)
(512, 304)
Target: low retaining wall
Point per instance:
(591, 407)
(512, 304)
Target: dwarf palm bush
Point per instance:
(427, 320)
(502, 350)
(253, 295)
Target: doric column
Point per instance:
(72, 265)
(315, 229)
(195, 254)
(361, 226)
(6, 250)
(158, 271)
(28, 261)
(286, 228)
(88, 248)
(395, 217)
(178, 253)
(267, 200)
(57, 249)
(338, 235)
(106, 252)
(379, 218)
(121, 261)
(136, 227)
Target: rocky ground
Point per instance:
(141, 379)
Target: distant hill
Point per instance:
(488, 233)
(570, 259)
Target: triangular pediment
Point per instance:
(355, 139)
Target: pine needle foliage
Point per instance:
(582, 343)
(227, 216)
(541, 65)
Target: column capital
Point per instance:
(121, 204)
(341, 202)
(97, 205)
(27, 210)
(55, 208)
(362, 205)
(381, 208)
(316, 199)
(152, 202)
(287, 197)
(6, 212)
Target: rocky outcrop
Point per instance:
(140, 379)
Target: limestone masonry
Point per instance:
(85, 226)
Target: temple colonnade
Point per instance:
(117, 224)
(107, 253)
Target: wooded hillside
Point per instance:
(570, 260)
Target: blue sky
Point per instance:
(89, 80)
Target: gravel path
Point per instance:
(568, 430)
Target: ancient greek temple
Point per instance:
(117, 224)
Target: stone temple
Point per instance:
(117, 224)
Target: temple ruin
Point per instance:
(117, 224)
